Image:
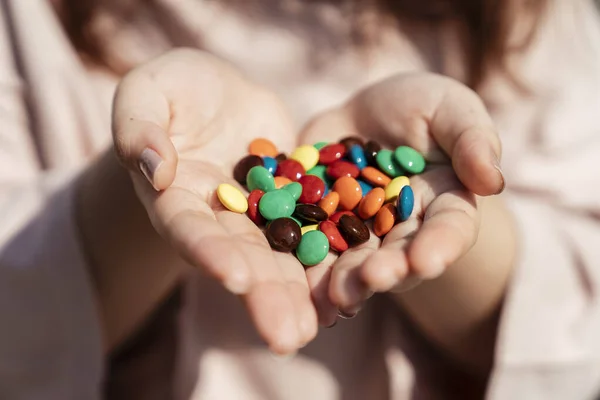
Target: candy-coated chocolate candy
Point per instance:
(335, 238)
(335, 217)
(357, 156)
(280, 157)
(270, 164)
(371, 203)
(308, 228)
(313, 248)
(320, 145)
(240, 171)
(342, 168)
(313, 189)
(310, 212)
(281, 181)
(260, 178)
(350, 141)
(319, 171)
(374, 176)
(385, 219)
(329, 202)
(253, 213)
(353, 230)
(232, 198)
(295, 189)
(371, 150)
(331, 153)
(291, 169)
(296, 220)
(364, 186)
(276, 204)
(394, 187)
(350, 192)
(262, 147)
(306, 155)
(409, 159)
(406, 203)
(387, 163)
(283, 234)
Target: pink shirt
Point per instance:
(54, 116)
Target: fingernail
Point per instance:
(149, 163)
(348, 314)
(282, 357)
(503, 185)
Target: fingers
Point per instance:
(319, 278)
(141, 116)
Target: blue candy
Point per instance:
(406, 203)
(366, 188)
(357, 156)
(270, 163)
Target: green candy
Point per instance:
(276, 204)
(409, 159)
(320, 171)
(387, 163)
(313, 248)
(260, 178)
(320, 145)
(295, 190)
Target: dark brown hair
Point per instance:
(486, 27)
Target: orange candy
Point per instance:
(371, 203)
(330, 202)
(349, 191)
(385, 219)
(262, 147)
(281, 181)
(375, 177)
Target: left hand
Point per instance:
(449, 125)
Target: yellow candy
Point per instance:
(392, 189)
(309, 228)
(306, 155)
(232, 198)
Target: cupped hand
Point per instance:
(180, 123)
(449, 125)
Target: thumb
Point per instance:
(141, 116)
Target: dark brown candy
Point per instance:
(283, 234)
(371, 150)
(310, 212)
(240, 171)
(351, 141)
(280, 157)
(353, 230)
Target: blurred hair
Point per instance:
(486, 28)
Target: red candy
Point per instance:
(290, 169)
(331, 153)
(336, 240)
(342, 168)
(253, 214)
(335, 218)
(313, 189)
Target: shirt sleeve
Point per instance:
(549, 339)
(50, 344)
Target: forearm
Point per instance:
(459, 311)
(133, 269)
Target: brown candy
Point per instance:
(310, 212)
(350, 141)
(240, 171)
(371, 150)
(353, 230)
(280, 157)
(283, 234)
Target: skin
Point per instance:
(195, 107)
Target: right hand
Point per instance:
(185, 119)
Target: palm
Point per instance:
(448, 124)
(210, 114)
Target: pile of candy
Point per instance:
(317, 198)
